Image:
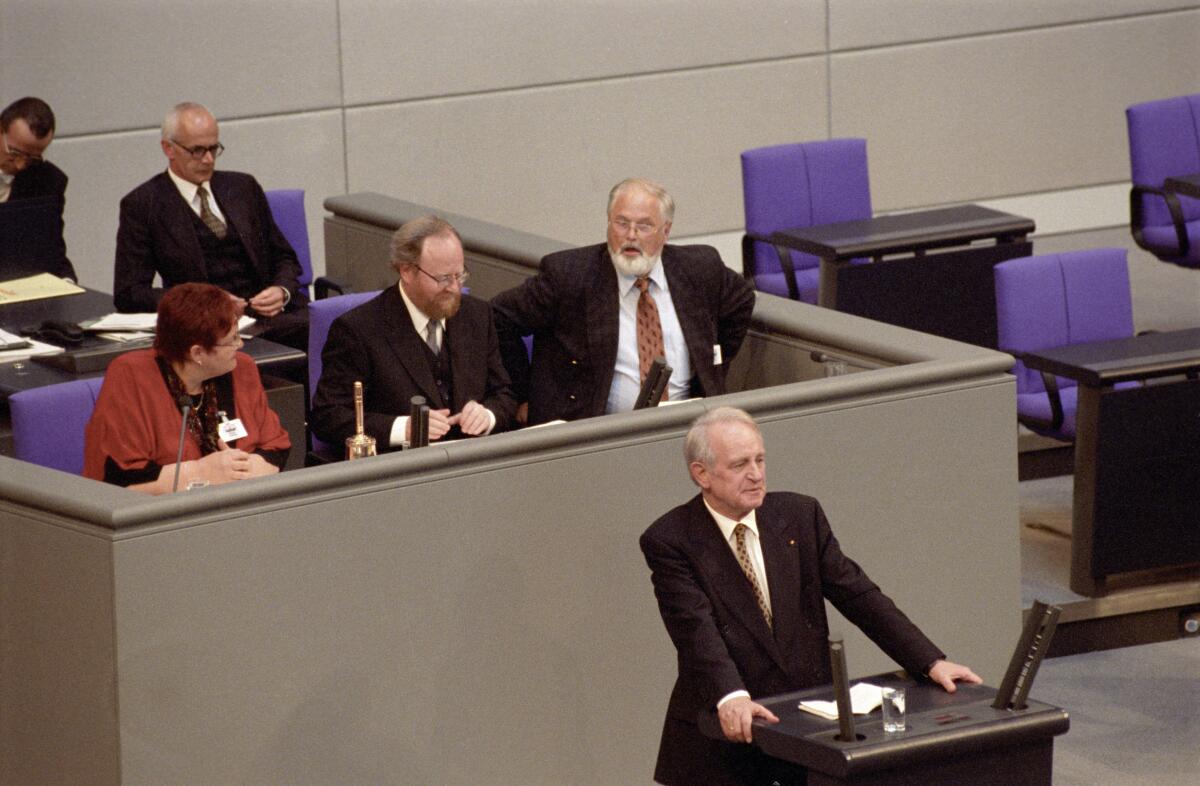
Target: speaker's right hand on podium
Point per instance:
(737, 718)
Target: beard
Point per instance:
(443, 305)
(635, 267)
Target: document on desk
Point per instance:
(864, 698)
(140, 323)
(14, 347)
(39, 287)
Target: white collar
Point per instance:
(187, 189)
(728, 525)
(419, 318)
(656, 274)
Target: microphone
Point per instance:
(184, 402)
(841, 689)
(418, 423)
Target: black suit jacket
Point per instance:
(570, 307)
(46, 181)
(157, 234)
(723, 642)
(376, 344)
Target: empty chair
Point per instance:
(798, 185)
(1050, 301)
(48, 423)
(321, 314)
(287, 208)
(1164, 141)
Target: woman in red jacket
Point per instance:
(132, 438)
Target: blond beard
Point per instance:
(639, 266)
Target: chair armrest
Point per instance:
(785, 261)
(1137, 222)
(1050, 382)
(323, 285)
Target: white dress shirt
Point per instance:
(627, 375)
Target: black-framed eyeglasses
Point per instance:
(29, 158)
(198, 151)
(449, 278)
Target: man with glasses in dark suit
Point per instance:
(600, 314)
(421, 337)
(193, 223)
(26, 130)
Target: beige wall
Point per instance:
(524, 112)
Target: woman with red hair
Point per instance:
(133, 437)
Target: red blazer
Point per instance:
(136, 421)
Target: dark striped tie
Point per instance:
(206, 215)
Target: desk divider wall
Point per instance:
(478, 612)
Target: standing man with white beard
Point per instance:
(600, 314)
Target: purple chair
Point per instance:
(798, 185)
(287, 208)
(48, 423)
(321, 314)
(1052, 300)
(1164, 141)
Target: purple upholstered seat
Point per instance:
(321, 314)
(48, 423)
(1056, 299)
(287, 208)
(1164, 141)
(799, 185)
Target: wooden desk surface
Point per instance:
(906, 232)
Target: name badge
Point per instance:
(717, 359)
(230, 430)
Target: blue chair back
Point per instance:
(800, 185)
(321, 314)
(287, 208)
(1057, 299)
(48, 423)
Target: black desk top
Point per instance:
(908, 232)
(1107, 362)
(938, 725)
(90, 304)
(1188, 185)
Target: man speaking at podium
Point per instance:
(741, 577)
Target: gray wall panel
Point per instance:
(1011, 113)
(119, 65)
(295, 151)
(863, 23)
(543, 160)
(402, 50)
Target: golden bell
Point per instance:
(360, 445)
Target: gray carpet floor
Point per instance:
(1135, 715)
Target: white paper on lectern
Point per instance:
(864, 698)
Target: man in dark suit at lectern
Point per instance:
(741, 577)
(421, 337)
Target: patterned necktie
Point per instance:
(207, 216)
(743, 557)
(431, 336)
(649, 330)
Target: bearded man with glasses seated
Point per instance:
(600, 315)
(421, 337)
(195, 224)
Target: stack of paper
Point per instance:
(864, 697)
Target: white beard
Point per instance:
(636, 267)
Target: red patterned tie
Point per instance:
(649, 330)
(743, 557)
